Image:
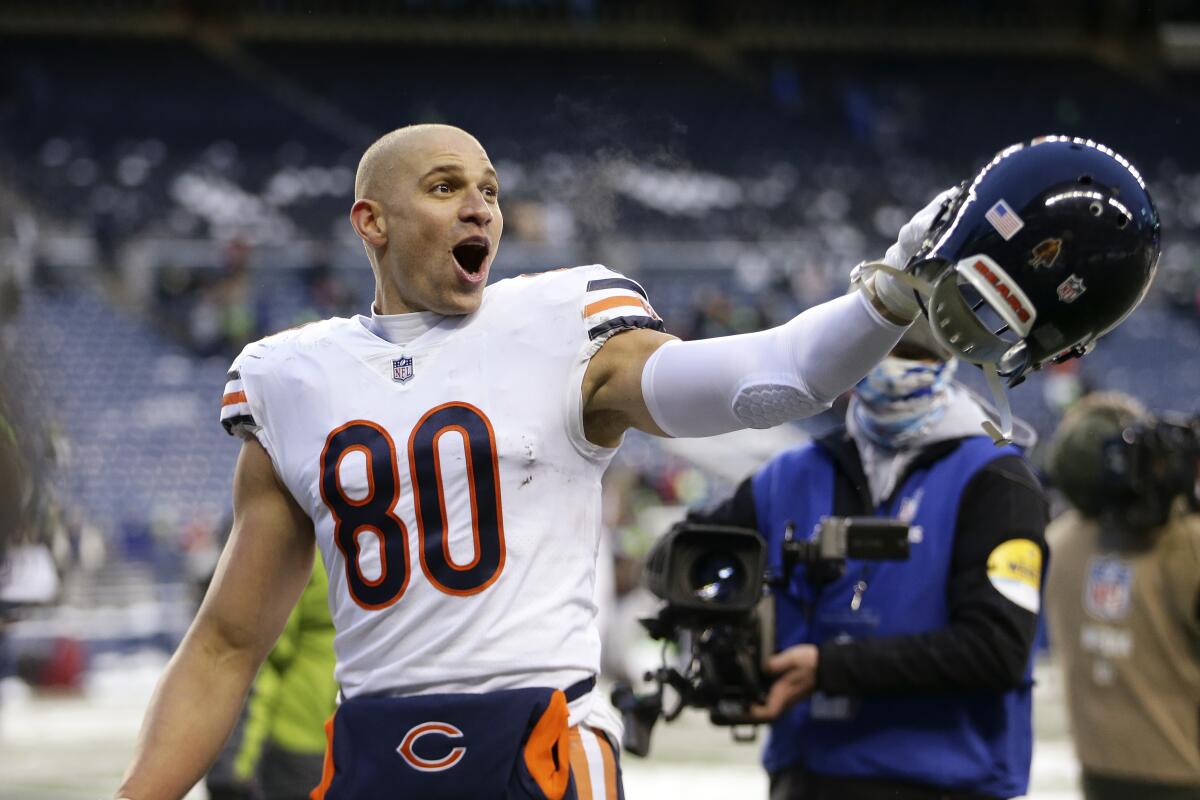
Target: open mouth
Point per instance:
(471, 255)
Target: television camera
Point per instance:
(718, 613)
(1146, 468)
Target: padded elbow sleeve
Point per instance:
(759, 380)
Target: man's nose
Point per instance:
(475, 208)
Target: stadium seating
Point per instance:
(737, 196)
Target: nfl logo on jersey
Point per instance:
(1109, 588)
(402, 369)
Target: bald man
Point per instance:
(444, 453)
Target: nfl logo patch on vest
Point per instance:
(402, 369)
(1109, 588)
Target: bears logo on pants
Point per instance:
(428, 729)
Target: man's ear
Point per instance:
(366, 217)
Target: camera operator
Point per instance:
(915, 676)
(1122, 597)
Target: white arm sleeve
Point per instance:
(759, 380)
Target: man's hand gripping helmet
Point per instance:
(1050, 247)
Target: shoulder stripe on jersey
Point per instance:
(625, 323)
(231, 410)
(235, 407)
(616, 283)
(617, 301)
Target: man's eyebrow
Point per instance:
(457, 169)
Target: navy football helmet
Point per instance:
(1050, 247)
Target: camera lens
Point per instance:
(717, 577)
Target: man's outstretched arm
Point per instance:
(658, 384)
(262, 572)
(650, 381)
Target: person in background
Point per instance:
(916, 675)
(1123, 597)
(277, 749)
(29, 524)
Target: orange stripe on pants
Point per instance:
(610, 766)
(327, 773)
(579, 766)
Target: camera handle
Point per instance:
(837, 539)
(640, 712)
(823, 568)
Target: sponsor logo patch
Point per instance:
(1014, 568)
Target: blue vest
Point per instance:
(981, 741)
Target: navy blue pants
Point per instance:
(512, 744)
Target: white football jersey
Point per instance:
(455, 499)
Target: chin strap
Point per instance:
(910, 280)
(1000, 435)
(890, 293)
(864, 270)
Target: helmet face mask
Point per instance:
(1050, 247)
(980, 321)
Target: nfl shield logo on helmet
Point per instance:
(402, 369)
(1109, 585)
(1070, 289)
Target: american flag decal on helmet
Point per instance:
(1004, 220)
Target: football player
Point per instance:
(445, 455)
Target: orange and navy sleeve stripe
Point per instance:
(235, 408)
(617, 304)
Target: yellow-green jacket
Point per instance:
(295, 691)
